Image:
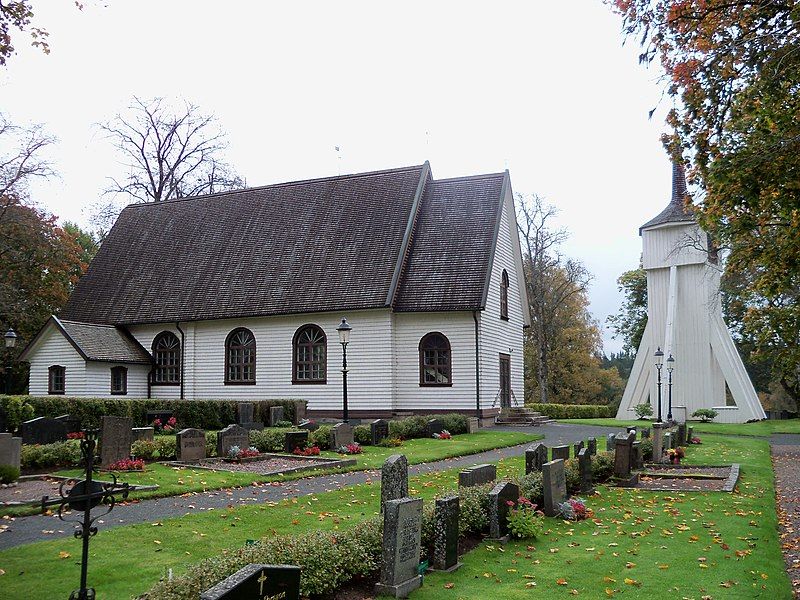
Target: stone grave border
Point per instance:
(729, 485)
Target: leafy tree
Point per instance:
(631, 320)
(19, 15)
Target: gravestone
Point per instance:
(637, 458)
(623, 452)
(73, 423)
(10, 449)
(143, 433)
(560, 453)
(477, 475)
(43, 430)
(435, 426)
(394, 478)
(585, 471)
(674, 439)
(645, 433)
(611, 439)
(295, 439)
(501, 494)
(668, 441)
(402, 531)
(681, 438)
(445, 534)
(341, 435)
(535, 457)
(577, 447)
(245, 416)
(115, 439)
(554, 482)
(378, 431)
(232, 435)
(275, 415)
(191, 444)
(256, 582)
(658, 442)
(308, 425)
(592, 446)
(473, 424)
(689, 434)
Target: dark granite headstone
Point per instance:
(637, 458)
(257, 582)
(623, 452)
(435, 426)
(143, 433)
(275, 415)
(394, 478)
(554, 483)
(445, 534)
(560, 452)
(577, 446)
(645, 433)
(308, 425)
(295, 439)
(10, 450)
(592, 446)
(611, 439)
(191, 444)
(73, 423)
(477, 475)
(585, 471)
(681, 434)
(245, 412)
(689, 434)
(341, 435)
(43, 430)
(378, 431)
(499, 497)
(115, 439)
(535, 457)
(232, 435)
(402, 532)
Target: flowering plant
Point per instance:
(127, 464)
(695, 440)
(524, 520)
(574, 509)
(353, 448)
(236, 453)
(77, 435)
(169, 426)
(443, 435)
(310, 451)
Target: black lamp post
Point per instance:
(659, 358)
(344, 337)
(10, 338)
(670, 368)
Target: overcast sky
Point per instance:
(544, 89)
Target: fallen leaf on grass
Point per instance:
(63, 554)
(629, 581)
(561, 581)
(449, 586)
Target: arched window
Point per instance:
(167, 356)
(504, 296)
(434, 360)
(310, 355)
(119, 381)
(56, 379)
(240, 357)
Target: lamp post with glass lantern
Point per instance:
(659, 355)
(344, 338)
(10, 338)
(670, 368)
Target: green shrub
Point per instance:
(390, 442)
(643, 410)
(45, 456)
(321, 438)
(144, 449)
(473, 513)
(409, 428)
(166, 446)
(270, 439)
(532, 488)
(211, 444)
(362, 435)
(705, 414)
(455, 423)
(283, 424)
(525, 520)
(8, 474)
(603, 466)
(647, 449)
(574, 411)
(16, 410)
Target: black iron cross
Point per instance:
(83, 496)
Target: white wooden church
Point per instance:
(238, 295)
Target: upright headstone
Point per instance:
(10, 450)
(668, 440)
(585, 471)
(435, 426)
(577, 446)
(503, 493)
(645, 433)
(560, 452)
(275, 415)
(232, 435)
(689, 434)
(295, 439)
(592, 446)
(246, 416)
(445, 534)
(341, 435)
(535, 457)
(115, 439)
(308, 425)
(43, 430)
(611, 439)
(623, 451)
(477, 475)
(402, 531)
(554, 482)
(394, 478)
(256, 582)
(473, 424)
(658, 442)
(190, 445)
(73, 423)
(378, 431)
(146, 434)
(674, 440)
(637, 458)
(681, 438)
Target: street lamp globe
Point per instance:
(344, 332)
(670, 363)
(11, 338)
(659, 357)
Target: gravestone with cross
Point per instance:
(257, 582)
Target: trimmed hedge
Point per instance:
(202, 414)
(574, 411)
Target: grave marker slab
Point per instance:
(378, 431)
(232, 435)
(245, 412)
(445, 531)
(295, 439)
(585, 471)
(308, 425)
(658, 442)
(473, 424)
(43, 430)
(689, 434)
(147, 434)
(645, 433)
(275, 415)
(681, 437)
(477, 475)
(402, 531)
(668, 444)
(73, 423)
(637, 458)
(115, 439)
(560, 452)
(499, 497)
(341, 435)
(257, 582)
(577, 447)
(394, 478)
(535, 457)
(554, 482)
(611, 439)
(435, 426)
(10, 449)
(623, 450)
(191, 444)
(592, 446)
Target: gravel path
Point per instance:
(785, 458)
(25, 530)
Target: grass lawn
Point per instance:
(173, 481)
(761, 428)
(654, 539)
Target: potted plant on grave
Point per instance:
(236, 454)
(443, 435)
(676, 454)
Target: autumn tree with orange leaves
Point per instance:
(733, 71)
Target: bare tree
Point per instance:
(551, 280)
(168, 153)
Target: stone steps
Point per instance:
(521, 417)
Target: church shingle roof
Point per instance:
(676, 211)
